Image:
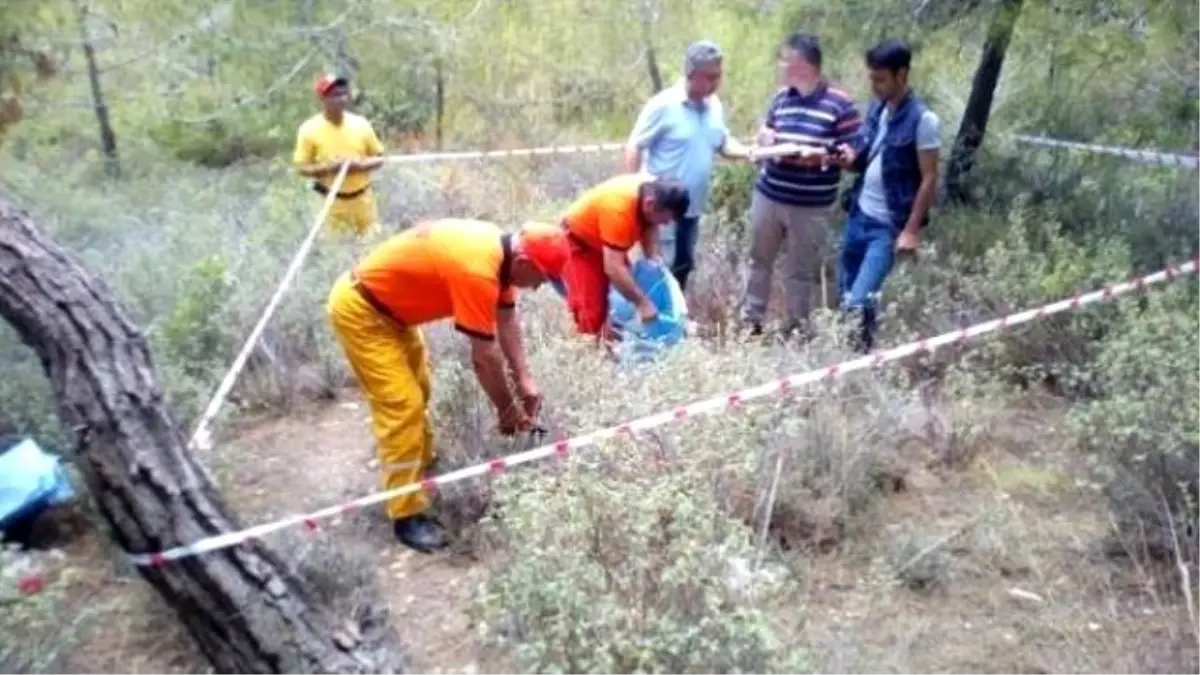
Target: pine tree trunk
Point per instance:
(979, 103)
(108, 137)
(247, 612)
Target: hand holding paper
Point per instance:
(804, 153)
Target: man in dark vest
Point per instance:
(896, 158)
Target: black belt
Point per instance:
(373, 301)
(324, 191)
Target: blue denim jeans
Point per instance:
(866, 257)
(679, 247)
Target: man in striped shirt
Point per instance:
(794, 197)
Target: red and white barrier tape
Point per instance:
(498, 154)
(1142, 156)
(201, 438)
(720, 403)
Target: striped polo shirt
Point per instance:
(827, 115)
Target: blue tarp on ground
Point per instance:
(31, 480)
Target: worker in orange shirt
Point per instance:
(466, 270)
(602, 225)
(331, 137)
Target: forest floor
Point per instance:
(1014, 583)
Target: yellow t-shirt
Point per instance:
(319, 141)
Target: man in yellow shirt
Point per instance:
(327, 139)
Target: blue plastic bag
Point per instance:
(31, 480)
(646, 341)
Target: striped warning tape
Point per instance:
(1142, 156)
(202, 439)
(733, 400)
(499, 154)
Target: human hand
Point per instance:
(646, 310)
(531, 398)
(362, 164)
(908, 241)
(765, 137)
(514, 420)
(844, 156)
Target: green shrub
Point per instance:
(218, 142)
(1141, 432)
(35, 636)
(192, 332)
(729, 201)
(1033, 264)
(582, 95)
(628, 573)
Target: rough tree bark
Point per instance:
(979, 103)
(246, 610)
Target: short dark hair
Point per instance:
(891, 55)
(807, 45)
(669, 194)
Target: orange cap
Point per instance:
(328, 81)
(546, 247)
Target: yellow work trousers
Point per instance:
(358, 216)
(392, 367)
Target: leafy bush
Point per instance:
(1141, 431)
(1033, 264)
(582, 95)
(628, 573)
(192, 332)
(729, 201)
(33, 638)
(216, 143)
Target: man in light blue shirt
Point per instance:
(676, 135)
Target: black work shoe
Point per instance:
(751, 330)
(420, 533)
(857, 332)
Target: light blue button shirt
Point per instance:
(678, 138)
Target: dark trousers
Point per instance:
(683, 260)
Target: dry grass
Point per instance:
(992, 565)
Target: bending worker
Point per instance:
(327, 139)
(602, 225)
(466, 270)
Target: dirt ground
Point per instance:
(989, 568)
